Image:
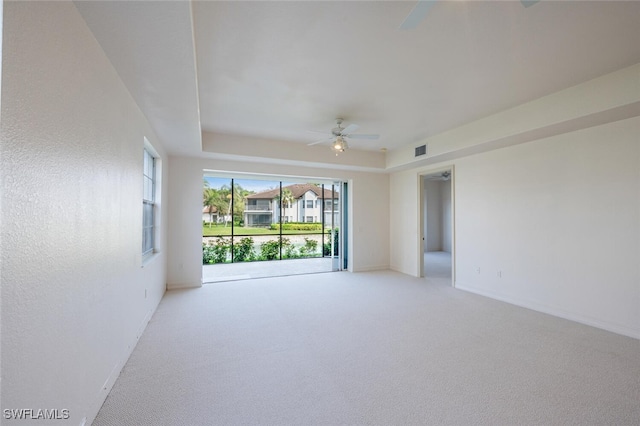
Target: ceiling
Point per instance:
(276, 70)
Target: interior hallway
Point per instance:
(438, 267)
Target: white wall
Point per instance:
(437, 215)
(433, 215)
(369, 231)
(558, 217)
(437, 223)
(546, 194)
(74, 295)
(406, 246)
(591, 103)
(246, 148)
(447, 225)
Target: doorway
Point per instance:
(436, 217)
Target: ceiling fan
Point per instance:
(340, 134)
(422, 7)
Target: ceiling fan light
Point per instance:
(339, 145)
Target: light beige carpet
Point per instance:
(369, 348)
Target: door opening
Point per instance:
(436, 217)
(257, 226)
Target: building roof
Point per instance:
(297, 189)
(209, 209)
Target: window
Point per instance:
(309, 204)
(148, 203)
(309, 218)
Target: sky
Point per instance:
(248, 184)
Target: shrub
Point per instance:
(243, 250)
(297, 226)
(288, 249)
(326, 247)
(207, 254)
(270, 250)
(309, 248)
(215, 252)
(220, 249)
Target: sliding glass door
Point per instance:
(256, 220)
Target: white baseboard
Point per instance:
(115, 371)
(370, 268)
(553, 310)
(183, 285)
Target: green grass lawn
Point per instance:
(216, 230)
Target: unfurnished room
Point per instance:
(320, 212)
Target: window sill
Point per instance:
(149, 258)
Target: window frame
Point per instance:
(151, 183)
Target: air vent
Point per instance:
(421, 150)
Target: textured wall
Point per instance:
(559, 220)
(369, 227)
(406, 245)
(74, 295)
(552, 220)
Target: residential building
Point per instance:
(309, 203)
(210, 214)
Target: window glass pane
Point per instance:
(216, 250)
(144, 242)
(147, 240)
(145, 167)
(148, 164)
(242, 220)
(147, 219)
(216, 207)
(256, 209)
(148, 187)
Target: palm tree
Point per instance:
(220, 199)
(239, 198)
(287, 200)
(214, 198)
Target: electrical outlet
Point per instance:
(145, 293)
(499, 274)
(478, 269)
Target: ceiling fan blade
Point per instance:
(320, 141)
(361, 136)
(417, 14)
(527, 3)
(349, 129)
